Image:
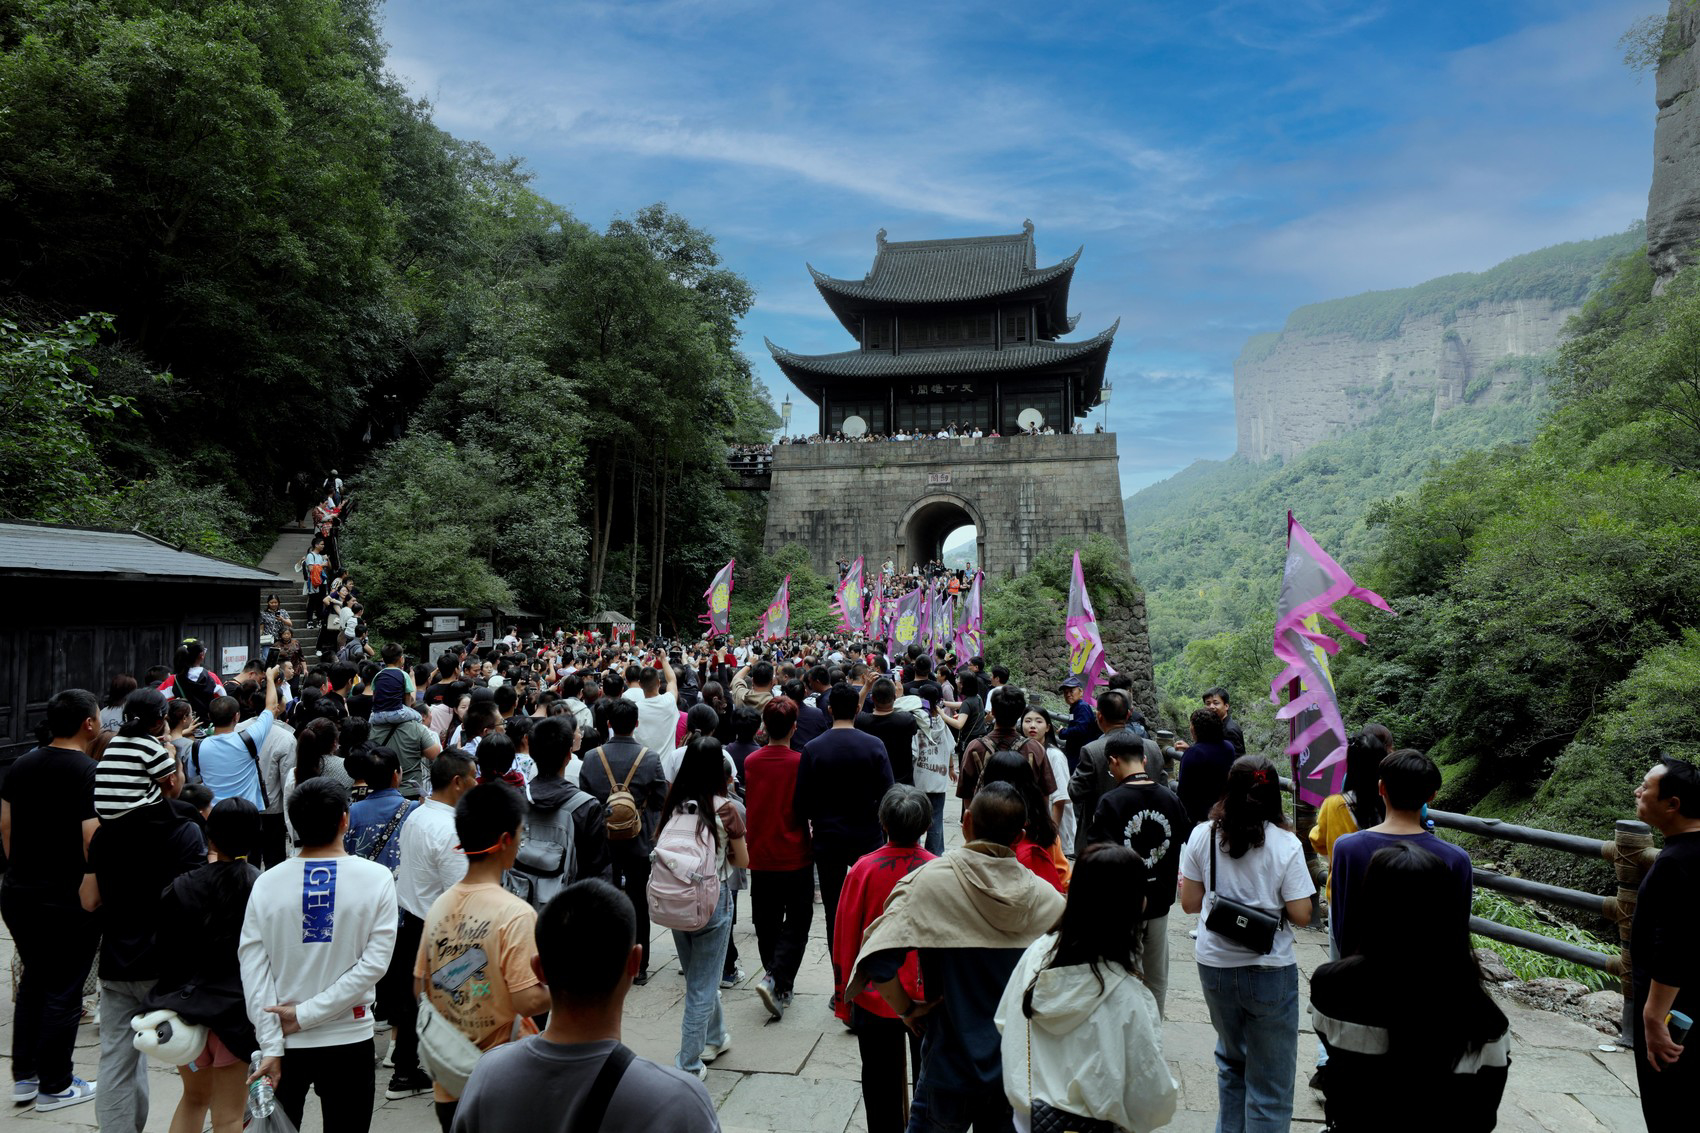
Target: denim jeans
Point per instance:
(56, 943)
(935, 833)
(121, 1106)
(954, 1111)
(703, 954)
(1255, 1011)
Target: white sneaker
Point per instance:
(714, 1050)
(24, 1092)
(78, 1093)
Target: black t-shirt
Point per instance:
(51, 792)
(1667, 925)
(1150, 820)
(1204, 773)
(134, 858)
(896, 730)
(438, 693)
(360, 705)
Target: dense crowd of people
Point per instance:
(467, 856)
(761, 455)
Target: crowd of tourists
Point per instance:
(466, 857)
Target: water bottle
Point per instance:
(260, 1103)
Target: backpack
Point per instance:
(333, 618)
(548, 853)
(624, 818)
(684, 876)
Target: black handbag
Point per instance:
(1246, 925)
(1043, 1117)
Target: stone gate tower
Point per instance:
(963, 332)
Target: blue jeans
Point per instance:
(1256, 1015)
(935, 833)
(954, 1111)
(703, 955)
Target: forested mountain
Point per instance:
(266, 215)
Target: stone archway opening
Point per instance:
(936, 524)
(962, 548)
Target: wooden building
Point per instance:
(964, 332)
(84, 604)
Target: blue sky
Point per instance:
(1221, 162)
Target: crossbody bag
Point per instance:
(1246, 925)
(253, 754)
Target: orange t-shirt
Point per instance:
(475, 953)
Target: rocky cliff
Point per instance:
(1673, 201)
(1466, 340)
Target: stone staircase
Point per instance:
(292, 543)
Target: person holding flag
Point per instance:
(967, 632)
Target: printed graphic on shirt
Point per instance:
(318, 902)
(1149, 834)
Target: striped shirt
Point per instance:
(128, 772)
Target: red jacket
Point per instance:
(778, 839)
(866, 888)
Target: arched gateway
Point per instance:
(958, 333)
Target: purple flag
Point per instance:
(848, 600)
(777, 619)
(1086, 658)
(1310, 585)
(719, 596)
(906, 622)
(967, 629)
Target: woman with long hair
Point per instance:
(1037, 725)
(1037, 847)
(138, 760)
(1082, 1032)
(199, 927)
(698, 796)
(1408, 1016)
(1247, 853)
(112, 714)
(190, 678)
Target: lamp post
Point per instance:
(1104, 403)
(785, 414)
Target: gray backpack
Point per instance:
(548, 854)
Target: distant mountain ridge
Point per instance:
(1471, 339)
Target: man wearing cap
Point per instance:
(1082, 726)
(398, 727)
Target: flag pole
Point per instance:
(1304, 814)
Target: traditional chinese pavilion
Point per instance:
(963, 331)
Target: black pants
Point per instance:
(731, 964)
(782, 903)
(1668, 1093)
(833, 865)
(343, 1078)
(274, 839)
(885, 1075)
(395, 995)
(56, 943)
(631, 875)
(446, 1113)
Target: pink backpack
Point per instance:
(684, 878)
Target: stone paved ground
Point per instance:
(802, 1076)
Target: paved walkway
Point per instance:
(801, 1075)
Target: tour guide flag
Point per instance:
(777, 619)
(1086, 658)
(906, 624)
(1310, 585)
(849, 598)
(967, 631)
(719, 595)
(876, 615)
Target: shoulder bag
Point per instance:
(1246, 925)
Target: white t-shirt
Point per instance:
(1060, 772)
(658, 721)
(1267, 877)
(933, 749)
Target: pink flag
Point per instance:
(967, 630)
(1086, 658)
(1310, 585)
(777, 619)
(944, 623)
(906, 622)
(876, 615)
(719, 595)
(848, 599)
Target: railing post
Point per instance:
(1631, 853)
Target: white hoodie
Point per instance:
(1096, 1052)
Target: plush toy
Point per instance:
(165, 1036)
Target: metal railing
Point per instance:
(1630, 851)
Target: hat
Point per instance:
(388, 690)
(1074, 682)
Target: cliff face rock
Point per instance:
(1295, 389)
(1673, 202)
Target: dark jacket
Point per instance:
(648, 787)
(200, 924)
(841, 778)
(1203, 775)
(135, 857)
(1149, 819)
